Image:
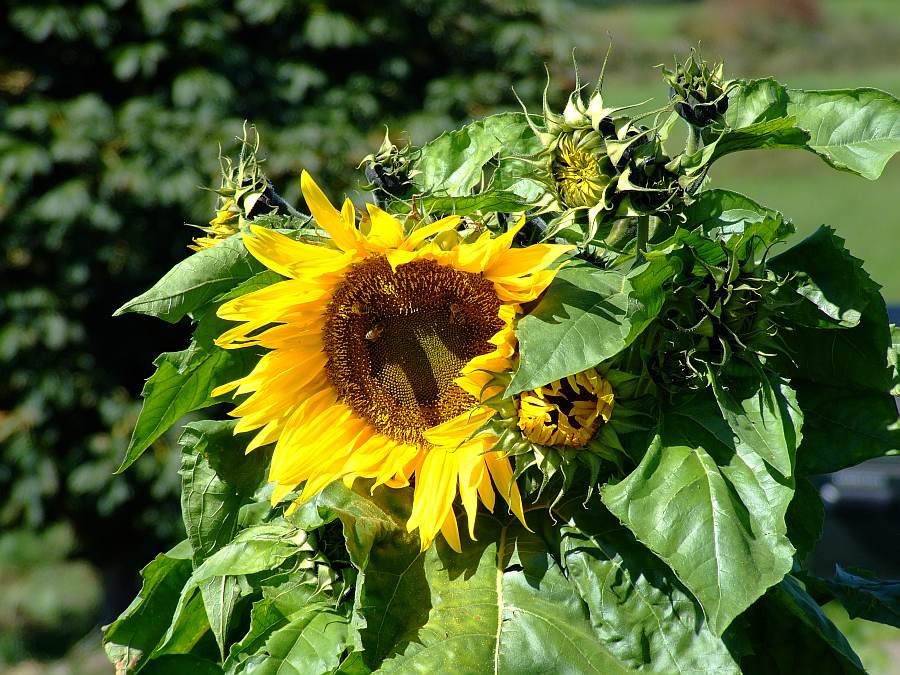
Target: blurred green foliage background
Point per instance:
(112, 111)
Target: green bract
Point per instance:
(740, 362)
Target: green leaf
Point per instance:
(217, 479)
(181, 664)
(844, 427)
(485, 202)
(710, 507)
(776, 133)
(856, 357)
(181, 384)
(502, 606)
(637, 606)
(254, 549)
(132, 637)
(789, 633)
(365, 518)
(586, 316)
(762, 412)
(864, 595)
(453, 164)
(189, 625)
(825, 273)
(856, 130)
(312, 642)
(272, 612)
(195, 281)
(805, 518)
(736, 220)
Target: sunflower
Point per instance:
(221, 227)
(382, 346)
(567, 412)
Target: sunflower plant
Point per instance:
(540, 399)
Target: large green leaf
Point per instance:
(856, 357)
(258, 548)
(254, 549)
(312, 642)
(273, 611)
(824, 272)
(501, 606)
(805, 518)
(132, 637)
(586, 316)
(844, 427)
(780, 132)
(863, 595)
(294, 628)
(789, 633)
(453, 164)
(736, 220)
(217, 479)
(196, 280)
(762, 411)
(488, 201)
(638, 608)
(181, 384)
(710, 507)
(856, 130)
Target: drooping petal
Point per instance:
(342, 232)
(385, 231)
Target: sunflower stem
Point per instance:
(643, 231)
(694, 142)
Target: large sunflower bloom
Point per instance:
(382, 349)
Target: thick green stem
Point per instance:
(694, 143)
(643, 233)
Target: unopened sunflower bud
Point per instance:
(388, 170)
(699, 92)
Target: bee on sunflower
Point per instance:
(382, 347)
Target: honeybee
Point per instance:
(456, 313)
(375, 332)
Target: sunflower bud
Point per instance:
(243, 193)
(579, 172)
(707, 319)
(699, 92)
(388, 169)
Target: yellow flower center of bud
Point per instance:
(567, 412)
(577, 174)
(397, 340)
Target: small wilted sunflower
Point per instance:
(225, 224)
(383, 346)
(567, 412)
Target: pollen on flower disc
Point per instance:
(397, 339)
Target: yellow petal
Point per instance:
(501, 472)
(435, 490)
(343, 233)
(386, 232)
(421, 234)
(288, 257)
(517, 262)
(451, 533)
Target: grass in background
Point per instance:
(875, 643)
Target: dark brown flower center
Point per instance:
(397, 340)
